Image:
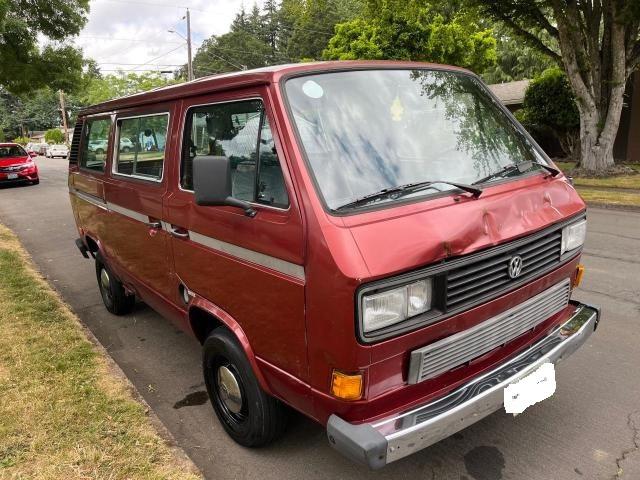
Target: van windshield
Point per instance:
(364, 131)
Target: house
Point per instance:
(627, 145)
(37, 136)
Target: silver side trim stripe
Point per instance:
(277, 264)
(288, 268)
(97, 201)
(127, 213)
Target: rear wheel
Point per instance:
(114, 295)
(248, 414)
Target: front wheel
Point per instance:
(248, 414)
(114, 296)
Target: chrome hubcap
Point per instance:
(229, 390)
(105, 281)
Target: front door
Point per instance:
(250, 267)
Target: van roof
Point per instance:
(246, 78)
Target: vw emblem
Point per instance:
(515, 266)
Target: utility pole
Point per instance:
(189, 63)
(63, 110)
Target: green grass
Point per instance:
(610, 197)
(64, 413)
(617, 190)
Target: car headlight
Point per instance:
(393, 306)
(573, 236)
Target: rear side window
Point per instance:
(95, 142)
(241, 132)
(141, 146)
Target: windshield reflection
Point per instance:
(365, 131)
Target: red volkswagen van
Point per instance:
(378, 245)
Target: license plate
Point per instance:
(12, 176)
(535, 387)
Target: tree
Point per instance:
(413, 30)
(314, 24)
(598, 48)
(515, 60)
(102, 88)
(550, 109)
(54, 135)
(232, 51)
(24, 66)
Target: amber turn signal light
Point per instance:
(346, 386)
(579, 274)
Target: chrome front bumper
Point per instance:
(390, 439)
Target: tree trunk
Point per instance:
(595, 154)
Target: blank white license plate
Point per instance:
(12, 176)
(535, 387)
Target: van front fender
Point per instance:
(224, 318)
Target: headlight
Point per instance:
(393, 306)
(26, 165)
(573, 236)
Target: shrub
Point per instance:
(54, 135)
(550, 109)
(22, 140)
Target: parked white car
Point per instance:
(57, 151)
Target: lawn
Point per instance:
(64, 410)
(618, 190)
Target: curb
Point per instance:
(613, 206)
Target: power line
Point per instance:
(95, 37)
(152, 4)
(134, 64)
(160, 56)
(133, 70)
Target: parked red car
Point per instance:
(16, 165)
(379, 245)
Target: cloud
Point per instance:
(133, 35)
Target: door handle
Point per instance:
(178, 232)
(154, 224)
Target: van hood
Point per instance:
(413, 236)
(7, 162)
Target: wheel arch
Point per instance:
(204, 317)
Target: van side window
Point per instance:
(141, 146)
(95, 142)
(241, 132)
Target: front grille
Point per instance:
(13, 168)
(487, 276)
(460, 348)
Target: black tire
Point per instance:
(125, 149)
(260, 419)
(112, 291)
(99, 151)
(35, 182)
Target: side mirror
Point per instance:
(212, 183)
(33, 154)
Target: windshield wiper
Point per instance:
(406, 189)
(521, 167)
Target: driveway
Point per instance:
(585, 431)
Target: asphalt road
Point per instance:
(586, 430)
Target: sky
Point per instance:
(133, 35)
